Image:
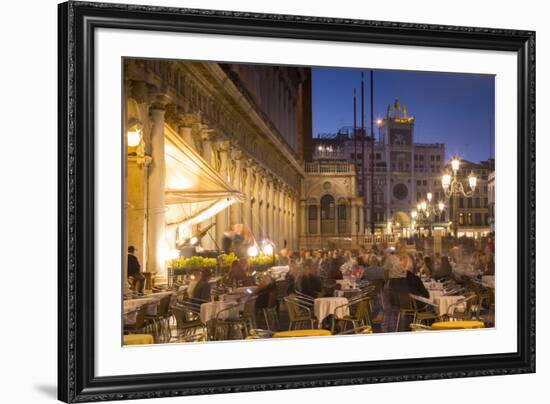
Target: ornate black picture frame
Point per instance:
(77, 23)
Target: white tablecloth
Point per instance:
(280, 270)
(435, 294)
(433, 285)
(242, 289)
(324, 306)
(444, 302)
(129, 306)
(210, 311)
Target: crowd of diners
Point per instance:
(395, 270)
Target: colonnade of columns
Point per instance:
(270, 208)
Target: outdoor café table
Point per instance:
(444, 302)
(131, 305)
(210, 310)
(433, 285)
(302, 333)
(346, 292)
(457, 325)
(279, 271)
(435, 294)
(137, 339)
(324, 306)
(243, 289)
(134, 304)
(488, 281)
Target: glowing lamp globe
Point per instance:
(446, 181)
(455, 164)
(134, 138)
(252, 251)
(472, 179)
(268, 249)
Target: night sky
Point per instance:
(454, 109)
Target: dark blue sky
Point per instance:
(455, 109)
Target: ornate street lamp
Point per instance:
(426, 211)
(453, 188)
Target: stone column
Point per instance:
(319, 219)
(280, 214)
(205, 139)
(303, 218)
(264, 208)
(156, 242)
(186, 122)
(361, 223)
(247, 217)
(274, 230)
(284, 235)
(269, 222)
(353, 228)
(236, 180)
(336, 204)
(258, 211)
(292, 218)
(295, 222)
(222, 218)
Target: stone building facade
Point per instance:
(473, 213)
(251, 123)
(403, 171)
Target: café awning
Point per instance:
(194, 191)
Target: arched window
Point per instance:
(328, 213)
(312, 219)
(342, 215)
(327, 207)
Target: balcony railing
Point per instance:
(328, 168)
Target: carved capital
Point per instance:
(237, 154)
(206, 134)
(224, 146)
(159, 101)
(189, 120)
(144, 160)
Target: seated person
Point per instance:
(238, 272)
(201, 292)
(266, 288)
(134, 271)
(334, 273)
(196, 277)
(373, 271)
(444, 269)
(427, 268)
(416, 286)
(310, 282)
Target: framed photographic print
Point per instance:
(254, 202)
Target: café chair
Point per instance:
(462, 309)
(140, 324)
(425, 310)
(270, 311)
(360, 316)
(188, 323)
(226, 328)
(299, 314)
(159, 319)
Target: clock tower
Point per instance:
(397, 134)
